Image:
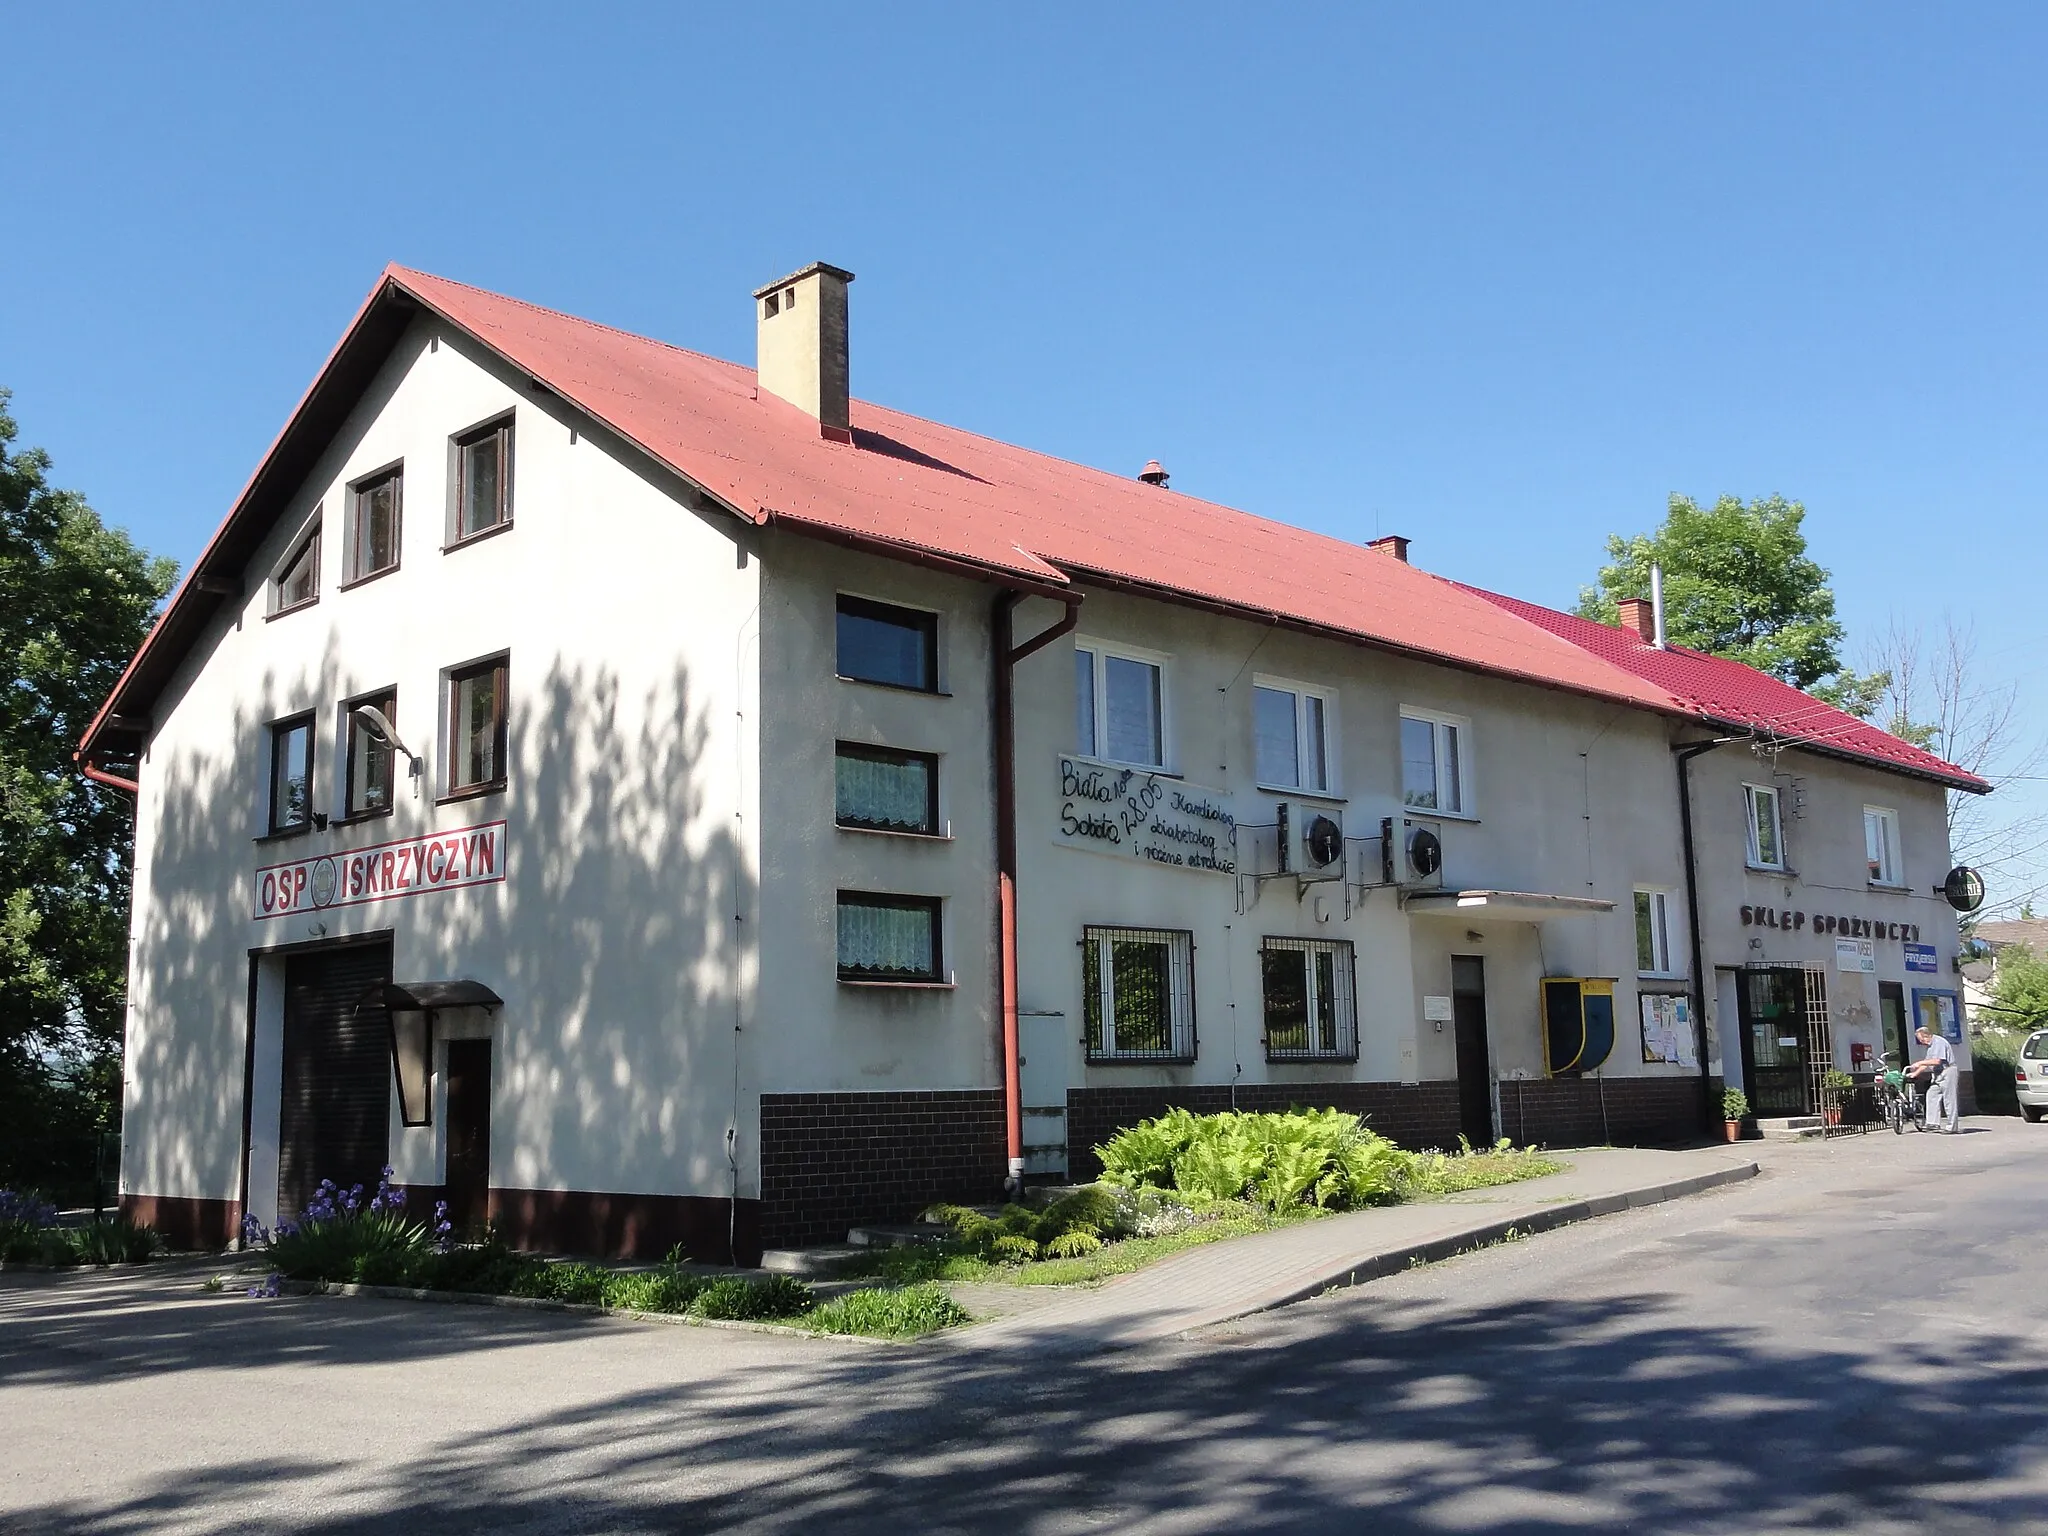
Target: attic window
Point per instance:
(772, 303)
(789, 298)
(297, 580)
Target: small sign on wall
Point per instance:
(1856, 955)
(1923, 958)
(1438, 1010)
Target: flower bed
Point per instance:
(31, 1234)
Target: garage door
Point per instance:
(336, 1107)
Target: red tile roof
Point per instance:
(912, 486)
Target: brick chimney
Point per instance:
(1640, 615)
(800, 345)
(1393, 544)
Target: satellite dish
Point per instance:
(1963, 889)
(1324, 841)
(1425, 852)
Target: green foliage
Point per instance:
(904, 1313)
(1017, 1234)
(367, 1248)
(1145, 1153)
(76, 599)
(1449, 1173)
(1072, 1245)
(113, 1240)
(1734, 1104)
(2019, 986)
(1739, 583)
(1322, 1157)
(1994, 1053)
(735, 1299)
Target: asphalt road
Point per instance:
(1856, 1341)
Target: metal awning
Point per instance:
(426, 996)
(1520, 906)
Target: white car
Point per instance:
(2030, 1076)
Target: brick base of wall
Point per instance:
(185, 1222)
(830, 1161)
(1580, 1111)
(1415, 1115)
(627, 1226)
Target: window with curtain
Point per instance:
(881, 790)
(888, 938)
(1138, 987)
(1310, 1001)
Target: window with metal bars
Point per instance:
(1311, 1000)
(1138, 987)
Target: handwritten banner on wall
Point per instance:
(1136, 813)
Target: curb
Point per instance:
(1395, 1260)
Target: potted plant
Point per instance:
(1835, 1087)
(1734, 1110)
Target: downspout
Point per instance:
(101, 776)
(1709, 1116)
(1004, 655)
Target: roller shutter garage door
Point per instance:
(336, 1110)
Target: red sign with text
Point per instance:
(439, 861)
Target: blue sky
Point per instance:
(1497, 277)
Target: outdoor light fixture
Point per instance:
(409, 1009)
(378, 724)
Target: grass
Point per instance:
(905, 1312)
(109, 1240)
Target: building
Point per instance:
(648, 800)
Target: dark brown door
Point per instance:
(335, 1114)
(1475, 1061)
(1774, 1045)
(1891, 1008)
(469, 1133)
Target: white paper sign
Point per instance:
(1667, 1030)
(1856, 955)
(1437, 1009)
(1137, 813)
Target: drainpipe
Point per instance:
(1709, 1116)
(1005, 656)
(101, 776)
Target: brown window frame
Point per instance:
(457, 738)
(307, 546)
(899, 758)
(385, 699)
(501, 429)
(922, 620)
(358, 491)
(278, 730)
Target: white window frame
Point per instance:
(1344, 970)
(1887, 819)
(1439, 722)
(1754, 849)
(1662, 949)
(1302, 692)
(1180, 1000)
(1102, 650)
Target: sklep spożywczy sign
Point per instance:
(438, 861)
(1108, 808)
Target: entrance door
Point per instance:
(1891, 1012)
(1772, 1002)
(469, 1133)
(335, 1115)
(1475, 1061)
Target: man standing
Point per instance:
(1936, 1073)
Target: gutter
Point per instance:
(1683, 755)
(1004, 656)
(101, 776)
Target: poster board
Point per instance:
(1668, 1035)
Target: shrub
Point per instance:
(734, 1299)
(1734, 1104)
(25, 1216)
(661, 1290)
(904, 1313)
(1072, 1245)
(113, 1240)
(1145, 1153)
(579, 1283)
(1448, 1173)
(340, 1237)
(1321, 1157)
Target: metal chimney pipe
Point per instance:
(1657, 606)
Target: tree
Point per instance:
(1739, 583)
(2020, 988)
(76, 599)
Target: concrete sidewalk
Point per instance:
(1230, 1279)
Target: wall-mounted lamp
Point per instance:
(373, 720)
(1474, 936)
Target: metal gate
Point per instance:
(335, 1114)
(1820, 1048)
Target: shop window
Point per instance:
(1291, 737)
(476, 727)
(1653, 933)
(291, 774)
(1766, 830)
(374, 514)
(888, 938)
(1120, 705)
(880, 643)
(1138, 993)
(1311, 1010)
(878, 789)
(1881, 846)
(296, 581)
(368, 757)
(1436, 762)
(483, 480)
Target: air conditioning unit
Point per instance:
(1410, 854)
(1311, 842)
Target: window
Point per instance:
(1119, 706)
(1881, 846)
(483, 480)
(476, 727)
(882, 644)
(373, 530)
(1310, 1007)
(1435, 763)
(1139, 993)
(1291, 737)
(1653, 933)
(886, 791)
(368, 756)
(888, 938)
(291, 774)
(297, 581)
(1766, 832)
